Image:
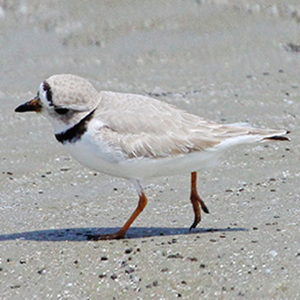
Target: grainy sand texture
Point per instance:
(226, 60)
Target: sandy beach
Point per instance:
(228, 61)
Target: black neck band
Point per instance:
(74, 133)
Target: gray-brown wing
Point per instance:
(145, 127)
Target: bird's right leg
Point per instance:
(196, 201)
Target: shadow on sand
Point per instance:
(81, 234)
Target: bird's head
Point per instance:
(64, 99)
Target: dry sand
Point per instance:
(229, 61)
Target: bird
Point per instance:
(136, 137)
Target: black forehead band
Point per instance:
(47, 89)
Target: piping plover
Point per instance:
(135, 137)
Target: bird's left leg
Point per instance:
(196, 201)
(121, 233)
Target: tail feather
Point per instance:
(277, 137)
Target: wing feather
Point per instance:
(141, 126)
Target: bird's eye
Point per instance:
(61, 111)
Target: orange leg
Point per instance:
(196, 201)
(121, 233)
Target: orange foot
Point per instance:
(196, 200)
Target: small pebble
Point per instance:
(128, 251)
(41, 271)
(16, 286)
(155, 283)
(177, 255)
(193, 258)
(129, 270)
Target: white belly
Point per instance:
(103, 159)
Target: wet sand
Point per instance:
(229, 61)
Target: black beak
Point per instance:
(32, 105)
